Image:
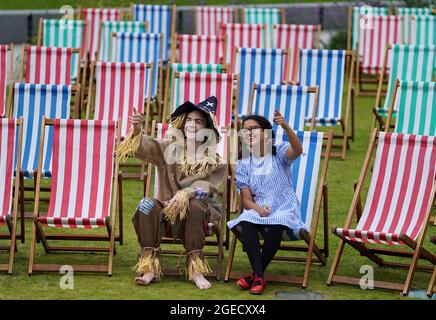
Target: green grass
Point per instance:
(341, 176)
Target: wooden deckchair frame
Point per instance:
(281, 10)
(309, 238)
(8, 93)
(218, 27)
(432, 285)
(219, 242)
(418, 251)
(38, 231)
(12, 223)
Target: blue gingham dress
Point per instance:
(270, 181)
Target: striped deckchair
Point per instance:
(380, 32)
(414, 103)
(354, 21)
(241, 36)
(196, 87)
(432, 284)
(260, 66)
(94, 16)
(185, 67)
(407, 13)
(10, 147)
(140, 47)
(407, 62)
(65, 34)
(291, 101)
(120, 87)
(6, 75)
(48, 65)
(397, 208)
(85, 174)
(108, 28)
(208, 19)
(188, 48)
(326, 69)
(292, 37)
(161, 19)
(309, 178)
(266, 16)
(423, 30)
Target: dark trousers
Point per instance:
(260, 257)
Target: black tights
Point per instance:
(272, 235)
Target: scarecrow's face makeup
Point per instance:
(252, 133)
(195, 121)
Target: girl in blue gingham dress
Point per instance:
(271, 207)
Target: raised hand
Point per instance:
(137, 120)
(279, 120)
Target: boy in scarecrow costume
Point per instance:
(188, 182)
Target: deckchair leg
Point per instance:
(326, 219)
(22, 214)
(13, 228)
(431, 286)
(230, 258)
(336, 261)
(120, 209)
(352, 114)
(32, 249)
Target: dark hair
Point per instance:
(264, 124)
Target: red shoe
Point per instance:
(258, 285)
(245, 282)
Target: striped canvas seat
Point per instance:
(292, 37)
(94, 16)
(290, 101)
(208, 19)
(355, 20)
(108, 27)
(407, 13)
(5, 75)
(423, 30)
(260, 66)
(160, 19)
(83, 153)
(239, 35)
(120, 87)
(198, 49)
(266, 16)
(139, 47)
(32, 102)
(65, 34)
(400, 190)
(48, 65)
(197, 87)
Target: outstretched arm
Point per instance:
(296, 147)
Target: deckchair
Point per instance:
(311, 190)
(423, 30)
(397, 207)
(292, 37)
(6, 75)
(407, 62)
(65, 34)
(208, 19)
(408, 13)
(354, 21)
(48, 65)
(432, 285)
(188, 48)
(260, 66)
(239, 35)
(291, 101)
(161, 19)
(374, 37)
(94, 16)
(84, 191)
(108, 28)
(414, 103)
(327, 70)
(10, 144)
(160, 132)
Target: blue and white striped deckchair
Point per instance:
(32, 102)
(309, 179)
(326, 70)
(160, 18)
(291, 101)
(407, 13)
(260, 66)
(140, 47)
(423, 30)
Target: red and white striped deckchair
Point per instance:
(94, 16)
(208, 19)
(83, 192)
(48, 65)
(188, 48)
(6, 70)
(240, 35)
(397, 208)
(8, 215)
(292, 37)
